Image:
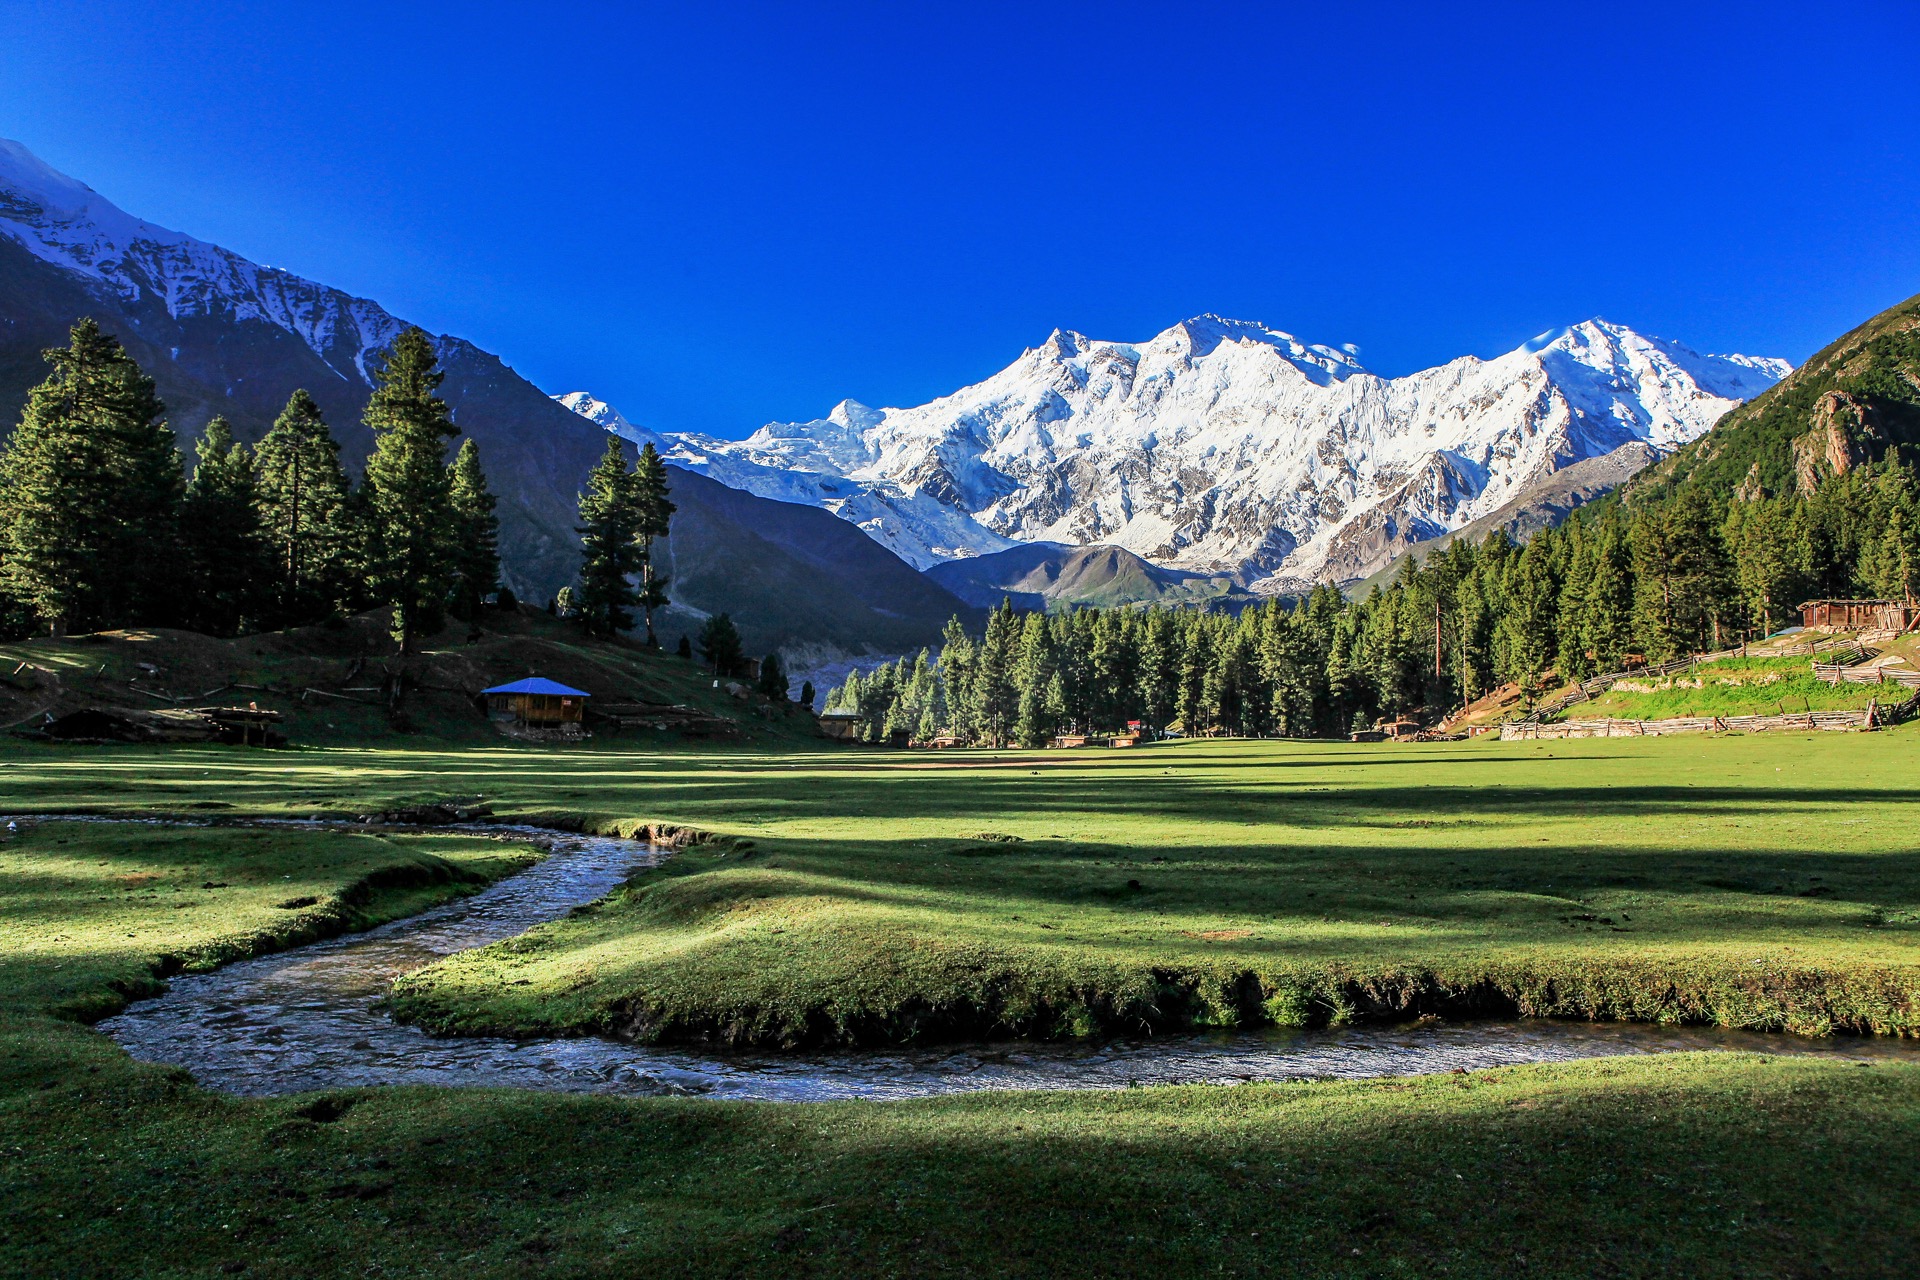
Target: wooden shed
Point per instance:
(1859, 615)
(843, 725)
(537, 703)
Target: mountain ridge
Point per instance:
(223, 335)
(1228, 447)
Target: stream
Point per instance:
(309, 1018)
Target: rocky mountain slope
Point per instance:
(221, 334)
(1051, 575)
(1853, 402)
(1225, 447)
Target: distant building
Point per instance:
(844, 725)
(1859, 615)
(536, 703)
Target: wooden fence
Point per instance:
(1836, 673)
(1872, 716)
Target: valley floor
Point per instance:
(859, 895)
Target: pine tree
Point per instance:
(1895, 567)
(412, 531)
(1607, 622)
(807, 694)
(477, 554)
(686, 647)
(720, 645)
(89, 520)
(1034, 676)
(1525, 635)
(610, 554)
(227, 554)
(773, 680)
(1766, 567)
(305, 513)
(652, 514)
(996, 699)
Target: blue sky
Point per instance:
(718, 215)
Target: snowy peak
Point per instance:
(597, 411)
(70, 225)
(1195, 339)
(1224, 446)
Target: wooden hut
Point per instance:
(1859, 615)
(537, 703)
(841, 725)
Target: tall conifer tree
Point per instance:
(610, 552)
(305, 513)
(90, 490)
(227, 554)
(720, 645)
(653, 512)
(411, 529)
(477, 554)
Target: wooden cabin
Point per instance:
(1859, 615)
(841, 725)
(536, 703)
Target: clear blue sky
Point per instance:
(718, 215)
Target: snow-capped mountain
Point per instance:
(68, 224)
(1227, 446)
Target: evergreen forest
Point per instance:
(1666, 571)
(103, 523)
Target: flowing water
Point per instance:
(310, 1018)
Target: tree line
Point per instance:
(103, 525)
(1671, 573)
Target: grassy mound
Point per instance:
(1766, 883)
(351, 669)
(98, 914)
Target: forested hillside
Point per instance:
(1854, 402)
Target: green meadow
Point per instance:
(1753, 686)
(855, 896)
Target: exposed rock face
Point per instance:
(1854, 401)
(1845, 434)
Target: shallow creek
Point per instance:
(309, 1018)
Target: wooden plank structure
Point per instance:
(537, 703)
(843, 726)
(1856, 615)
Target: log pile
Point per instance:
(689, 721)
(245, 726)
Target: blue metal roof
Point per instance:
(539, 684)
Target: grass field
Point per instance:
(1754, 686)
(97, 914)
(1275, 859)
(1761, 882)
(1764, 881)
